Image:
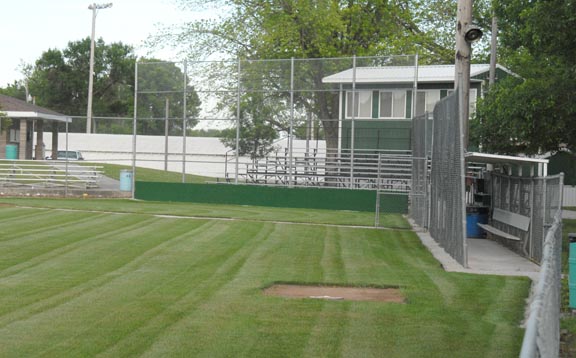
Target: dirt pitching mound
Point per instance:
(336, 293)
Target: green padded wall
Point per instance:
(310, 198)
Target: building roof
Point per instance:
(407, 74)
(16, 108)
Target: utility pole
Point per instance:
(466, 33)
(493, 44)
(94, 7)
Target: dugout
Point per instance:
(518, 197)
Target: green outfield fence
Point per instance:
(306, 198)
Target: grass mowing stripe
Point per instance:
(46, 229)
(34, 250)
(227, 263)
(23, 217)
(331, 260)
(218, 289)
(14, 215)
(23, 293)
(211, 327)
(94, 294)
(502, 311)
(329, 330)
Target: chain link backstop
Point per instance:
(447, 201)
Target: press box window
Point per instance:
(425, 101)
(362, 104)
(392, 104)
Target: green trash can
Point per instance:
(572, 270)
(11, 151)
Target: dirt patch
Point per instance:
(336, 293)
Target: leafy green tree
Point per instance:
(256, 135)
(161, 87)
(14, 89)
(59, 80)
(536, 113)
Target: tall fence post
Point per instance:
(291, 132)
(353, 119)
(166, 127)
(184, 122)
(239, 85)
(134, 128)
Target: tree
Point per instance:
(161, 85)
(15, 89)
(59, 79)
(536, 113)
(272, 29)
(256, 137)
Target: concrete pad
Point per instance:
(485, 257)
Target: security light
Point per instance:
(472, 33)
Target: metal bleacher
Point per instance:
(361, 169)
(48, 174)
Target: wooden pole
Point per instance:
(463, 54)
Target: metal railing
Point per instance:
(48, 174)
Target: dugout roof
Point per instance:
(16, 108)
(496, 159)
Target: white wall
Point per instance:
(569, 196)
(204, 156)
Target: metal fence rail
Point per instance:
(542, 336)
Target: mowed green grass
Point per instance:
(217, 211)
(96, 284)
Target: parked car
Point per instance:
(68, 155)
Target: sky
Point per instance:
(30, 27)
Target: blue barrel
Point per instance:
(12, 151)
(125, 180)
(475, 216)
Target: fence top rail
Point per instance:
(515, 177)
(236, 60)
(50, 165)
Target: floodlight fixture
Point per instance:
(99, 6)
(472, 33)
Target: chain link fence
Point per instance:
(330, 122)
(447, 200)
(536, 198)
(422, 128)
(542, 336)
(310, 122)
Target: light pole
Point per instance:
(94, 7)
